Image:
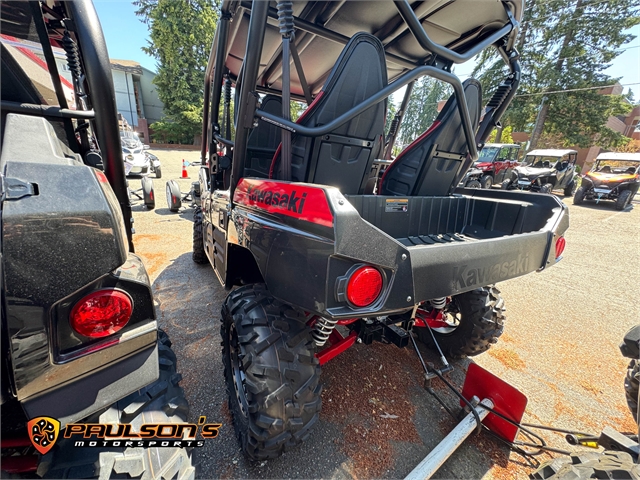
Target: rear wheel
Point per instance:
(174, 196)
(198, 255)
(148, 194)
(506, 184)
(161, 402)
(271, 372)
(473, 184)
(475, 321)
(486, 181)
(631, 384)
(578, 198)
(546, 188)
(623, 199)
(608, 464)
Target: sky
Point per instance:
(126, 35)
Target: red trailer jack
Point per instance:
(491, 402)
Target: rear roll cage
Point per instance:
(247, 110)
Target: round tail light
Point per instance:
(364, 286)
(101, 313)
(560, 244)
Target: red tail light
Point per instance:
(101, 313)
(560, 244)
(364, 286)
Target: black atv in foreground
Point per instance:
(287, 210)
(614, 176)
(80, 342)
(544, 171)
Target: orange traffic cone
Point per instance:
(184, 170)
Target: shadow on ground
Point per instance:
(377, 420)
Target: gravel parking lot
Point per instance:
(560, 348)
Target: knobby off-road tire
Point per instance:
(608, 464)
(271, 372)
(481, 321)
(473, 184)
(568, 190)
(623, 199)
(198, 255)
(631, 384)
(160, 402)
(546, 188)
(506, 184)
(578, 198)
(486, 181)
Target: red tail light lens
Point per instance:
(101, 313)
(560, 244)
(364, 286)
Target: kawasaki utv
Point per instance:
(80, 341)
(288, 211)
(497, 162)
(614, 176)
(544, 171)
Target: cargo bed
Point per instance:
(427, 247)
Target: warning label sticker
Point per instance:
(396, 205)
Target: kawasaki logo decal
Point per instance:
(284, 200)
(296, 200)
(466, 277)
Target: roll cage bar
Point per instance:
(439, 59)
(79, 17)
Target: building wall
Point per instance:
(150, 101)
(125, 97)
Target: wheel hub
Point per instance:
(237, 370)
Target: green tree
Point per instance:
(565, 47)
(422, 109)
(180, 36)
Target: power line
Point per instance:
(577, 89)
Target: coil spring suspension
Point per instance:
(322, 330)
(285, 17)
(73, 57)
(438, 303)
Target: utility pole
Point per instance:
(539, 125)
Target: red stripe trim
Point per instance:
(297, 200)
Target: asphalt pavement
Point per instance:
(560, 348)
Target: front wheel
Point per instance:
(271, 372)
(623, 199)
(546, 188)
(578, 198)
(486, 181)
(158, 172)
(198, 255)
(473, 184)
(475, 321)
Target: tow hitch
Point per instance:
(493, 405)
